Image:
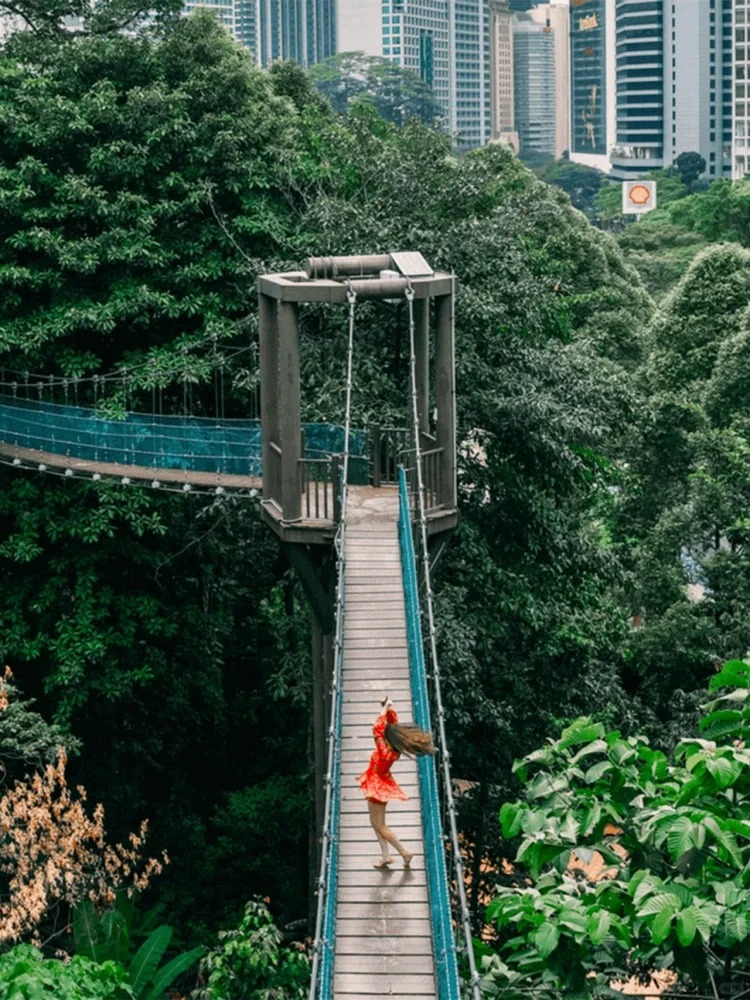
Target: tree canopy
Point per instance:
(146, 179)
(396, 93)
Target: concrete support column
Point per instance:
(422, 357)
(269, 393)
(445, 398)
(289, 411)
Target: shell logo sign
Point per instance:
(638, 197)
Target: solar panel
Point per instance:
(412, 264)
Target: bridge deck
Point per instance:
(31, 457)
(383, 932)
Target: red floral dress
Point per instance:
(377, 782)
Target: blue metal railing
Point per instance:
(446, 968)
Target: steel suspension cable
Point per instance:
(432, 646)
(321, 979)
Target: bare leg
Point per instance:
(386, 858)
(384, 833)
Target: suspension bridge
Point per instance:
(360, 514)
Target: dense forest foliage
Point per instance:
(146, 179)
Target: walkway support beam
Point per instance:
(289, 412)
(445, 398)
(269, 400)
(422, 351)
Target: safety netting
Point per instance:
(158, 441)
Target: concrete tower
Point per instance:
(534, 84)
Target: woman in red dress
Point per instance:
(378, 784)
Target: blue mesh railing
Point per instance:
(157, 441)
(444, 948)
(419, 618)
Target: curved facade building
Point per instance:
(640, 36)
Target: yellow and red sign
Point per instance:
(638, 196)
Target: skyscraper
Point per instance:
(534, 84)
(555, 18)
(502, 116)
(445, 42)
(641, 97)
(695, 79)
(674, 69)
(414, 34)
(303, 30)
(592, 81)
(741, 100)
(469, 103)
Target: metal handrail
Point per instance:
(444, 946)
(428, 619)
(321, 980)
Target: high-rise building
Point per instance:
(534, 84)
(469, 102)
(641, 97)
(303, 30)
(414, 34)
(694, 83)
(555, 18)
(727, 85)
(741, 97)
(592, 81)
(223, 9)
(502, 116)
(673, 84)
(445, 42)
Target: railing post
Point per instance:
(335, 477)
(376, 467)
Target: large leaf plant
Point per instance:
(629, 861)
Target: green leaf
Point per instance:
(580, 731)
(657, 904)
(146, 959)
(681, 836)
(511, 817)
(167, 975)
(723, 770)
(87, 932)
(736, 925)
(598, 925)
(661, 923)
(725, 839)
(598, 746)
(546, 939)
(573, 918)
(734, 673)
(739, 826)
(642, 884)
(597, 771)
(686, 926)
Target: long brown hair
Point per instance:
(409, 739)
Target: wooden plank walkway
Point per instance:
(383, 933)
